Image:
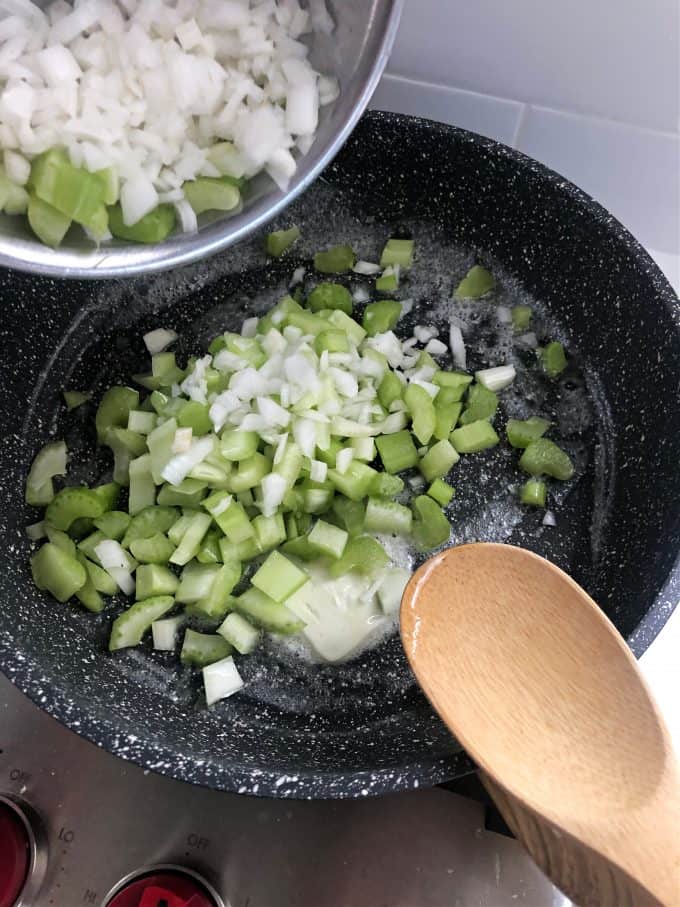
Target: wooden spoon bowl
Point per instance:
(542, 691)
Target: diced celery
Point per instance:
(328, 539)
(397, 451)
(280, 241)
(113, 524)
(196, 582)
(521, 317)
(364, 449)
(335, 260)
(330, 296)
(48, 224)
(50, 461)
(243, 551)
(481, 404)
(385, 485)
(76, 193)
(241, 634)
(440, 458)
(283, 308)
(129, 627)
(387, 516)
(72, 503)
(301, 548)
(456, 383)
(189, 493)
(110, 184)
(522, 432)
(421, 408)
(250, 472)
(89, 544)
(332, 340)
(178, 528)
(290, 464)
(447, 414)
(194, 415)
(430, 528)
(343, 322)
(278, 577)
(270, 531)
(191, 540)
(355, 482)
(362, 555)
(211, 194)
(350, 514)
(238, 445)
(157, 549)
(308, 323)
(149, 522)
(114, 409)
(381, 316)
(441, 492)
(61, 540)
(57, 572)
(217, 601)
(544, 457)
(142, 423)
(389, 389)
(534, 493)
(101, 580)
(476, 283)
(201, 649)
(209, 552)
(88, 595)
(154, 227)
(553, 359)
(397, 252)
(74, 399)
(16, 201)
(264, 612)
(473, 437)
(388, 282)
(142, 491)
(154, 579)
(125, 445)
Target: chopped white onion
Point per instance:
(457, 346)
(159, 340)
(529, 340)
(164, 633)
(361, 294)
(249, 327)
(220, 680)
(436, 347)
(343, 459)
(496, 379)
(179, 466)
(367, 268)
(504, 314)
(123, 578)
(274, 488)
(424, 332)
(549, 519)
(298, 277)
(112, 554)
(406, 306)
(182, 440)
(318, 471)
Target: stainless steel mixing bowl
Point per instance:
(356, 53)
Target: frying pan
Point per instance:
(301, 730)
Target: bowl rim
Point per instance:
(30, 256)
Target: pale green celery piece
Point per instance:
(264, 612)
(48, 224)
(211, 194)
(387, 517)
(160, 443)
(74, 399)
(142, 492)
(129, 628)
(111, 184)
(50, 461)
(114, 409)
(328, 539)
(154, 227)
(16, 201)
(397, 252)
(280, 241)
(196, 582)
(154, 579)
(227, 159)
(202, 649)
(240, 633)
(57, 571)
(73, 191)
(192, 538)
(476, 283)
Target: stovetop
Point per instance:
(96, 821)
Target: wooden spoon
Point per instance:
(543, 693)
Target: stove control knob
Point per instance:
(15, 855)
(164, 888)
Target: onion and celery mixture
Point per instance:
(247, 481)
(130, 118)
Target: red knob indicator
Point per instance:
(165, 888)
(15, 856)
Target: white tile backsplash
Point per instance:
(611, 58)
(634, 173)
(493, 117)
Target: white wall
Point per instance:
(590, 87)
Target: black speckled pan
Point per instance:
(300, 730)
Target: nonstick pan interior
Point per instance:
(362, 728)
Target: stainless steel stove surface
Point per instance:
(96, 824)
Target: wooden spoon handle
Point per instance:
(586, 876)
